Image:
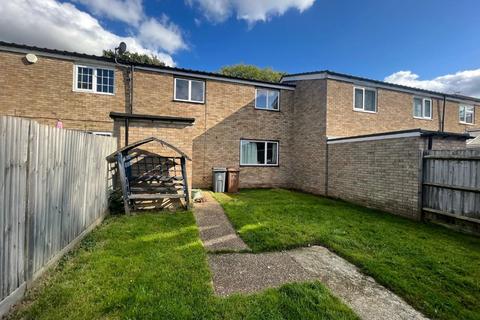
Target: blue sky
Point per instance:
(433, 44)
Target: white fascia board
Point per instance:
(379, 137)
(366, 83)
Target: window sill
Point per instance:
(419, 118)
(93, 92)
(271, 110)
(188, 101)
(364, 111)
(466, 123)
(260, 165)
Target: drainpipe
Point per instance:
(442, 127)
(130, 69)
(130, 101)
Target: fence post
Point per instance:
(421, 167)
(29, 234)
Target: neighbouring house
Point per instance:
(275, 132)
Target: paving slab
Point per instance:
(366, 297)
(216, 231)
(249, 273)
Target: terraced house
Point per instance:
(275, 132)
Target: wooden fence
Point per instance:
(53, 190)
(451, 186)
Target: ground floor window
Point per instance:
(258, 152)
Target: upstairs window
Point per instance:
(258, 153)
(189, 90)
(422, 108)
(466, 114)
(104, 80)
(267, 99)
(364, 99)
(93, 79)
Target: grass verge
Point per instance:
(435, 269)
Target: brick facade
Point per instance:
(310, 112)
(394, 112)
(227, 116)
(309, 137)
(383, 174)
(44, 91)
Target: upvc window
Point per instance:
(422, 108)
(466, 114)
(189, 90)
(364, 99)
(267, 99)
(94, 79)
(258, 153)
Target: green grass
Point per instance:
(435, 269)
(153, 266)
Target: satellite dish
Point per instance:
(31, 58)
(122, 47)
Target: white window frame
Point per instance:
(189, 90)
(465, 106)
(94, 79)
(423, 108)
(268, 90)
(265, 164)
(363, 102)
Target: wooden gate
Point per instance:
(451, 187)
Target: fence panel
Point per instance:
(54, 189)
(13, 193)
(451, 184)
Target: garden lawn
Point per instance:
(433, 268)
(153, 266)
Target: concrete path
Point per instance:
(248, 273)
(216, 232)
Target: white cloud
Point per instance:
(248, 10)
(51, 24)
(129, 11)
(163, 34)
(465, 82)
